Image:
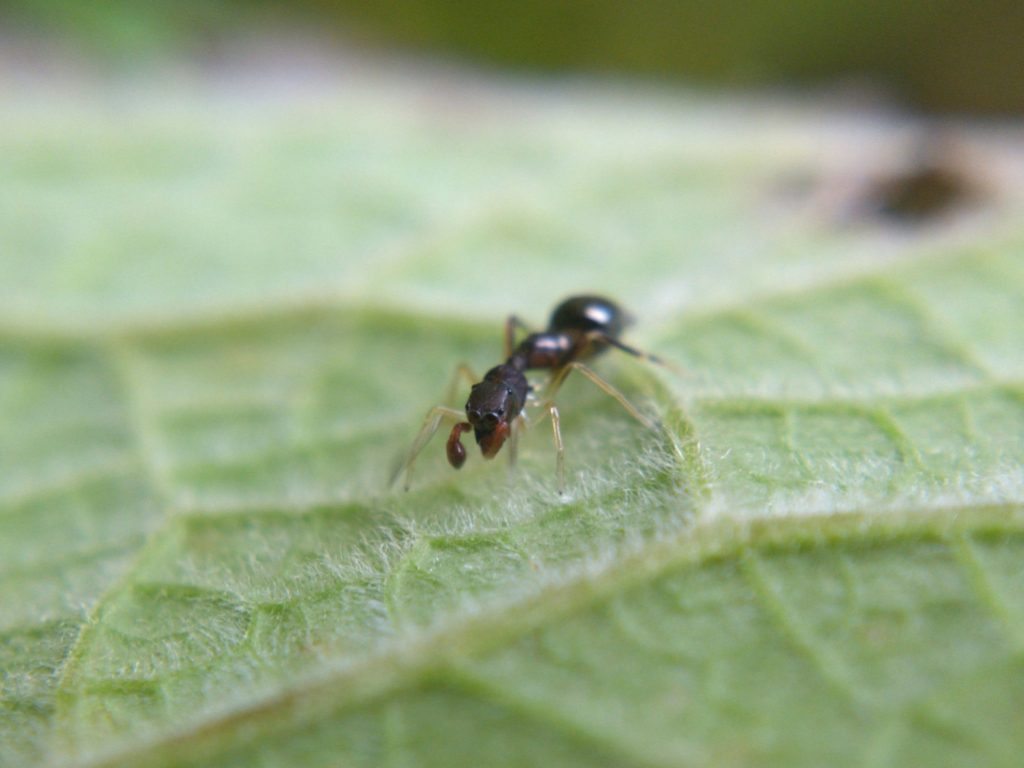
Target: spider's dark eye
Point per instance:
(491, 419)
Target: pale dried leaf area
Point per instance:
(227, 306)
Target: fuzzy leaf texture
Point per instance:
(224, 317)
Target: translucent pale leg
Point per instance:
(603, 385)
(556, 428)
(435, 416)
(552, 410)
(462, 372)
(517, 426)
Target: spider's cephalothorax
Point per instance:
(493, 403)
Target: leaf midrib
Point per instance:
(340, 685)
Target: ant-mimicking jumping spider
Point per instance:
(581, 327)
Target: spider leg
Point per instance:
(511, 324)
(604, 338)
(462, 372)
(433, 420)
(556, 428)
(603, 385)
(517, 426)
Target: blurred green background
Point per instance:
(934, 55)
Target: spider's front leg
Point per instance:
(435, 416)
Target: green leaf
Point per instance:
(223, 320)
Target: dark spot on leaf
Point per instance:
(920, 194)
(936, 178)
(937, 181)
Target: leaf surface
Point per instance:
(223, 321)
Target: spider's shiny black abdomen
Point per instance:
(588, 313)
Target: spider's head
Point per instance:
(491, 406)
